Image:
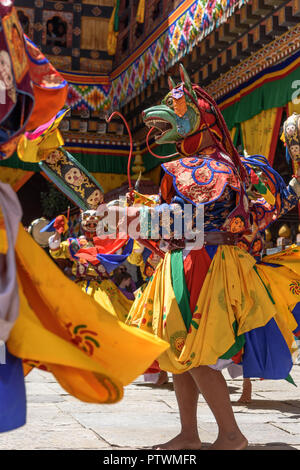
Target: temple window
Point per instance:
(56, 34)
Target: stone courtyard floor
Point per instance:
(148, 415)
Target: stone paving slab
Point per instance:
(148, 415)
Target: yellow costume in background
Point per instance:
(94, 280)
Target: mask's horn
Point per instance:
(184, 77)
(137, 183)
(171, 83)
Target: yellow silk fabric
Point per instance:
(63, 330)
(15, 176)
(290, 258)
(284, 285)
(293, 108)
(110, 181)
(109, 297)
(34, 151)
(232, 292)
(258, 133)
(3, 235)
(232, 133)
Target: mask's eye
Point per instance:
(169, 101)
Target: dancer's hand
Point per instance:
(56, 236)
(54, 241)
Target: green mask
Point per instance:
(177, 116)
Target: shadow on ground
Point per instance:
(167, 386)
(207, 445)
(289, 406)
(272, 446)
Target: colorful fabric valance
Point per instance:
(173, 38)
(273, 87)
(270, 87)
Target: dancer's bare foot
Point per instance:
(247, 392)
(163, 378)
(180, 442)
(244, 399)
(231, 442)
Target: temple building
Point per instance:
(118, 54)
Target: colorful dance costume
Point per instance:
(46, 320)
(91, 278)
(221, 304)
(147, 264)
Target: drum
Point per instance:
(35, 231)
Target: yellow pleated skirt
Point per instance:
(237, 296)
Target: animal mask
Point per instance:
(190, 118)
(177, 116)
(89, 220)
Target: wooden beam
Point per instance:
(205, 51)
(259, 7)
(259, 35)
(286, 18)
(212, 43)
(296, 7)
(224, 64)
(214, 65)
(246, 43)
(206, 72)
(241, 52)
(233, 56)
(198, 77)
(272, 27)
(242, 27)
(247, 16)
(219, 44)
(236, 26)
(274, 2)
(224, 34)
(196, 60)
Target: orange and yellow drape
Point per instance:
(64, 331)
